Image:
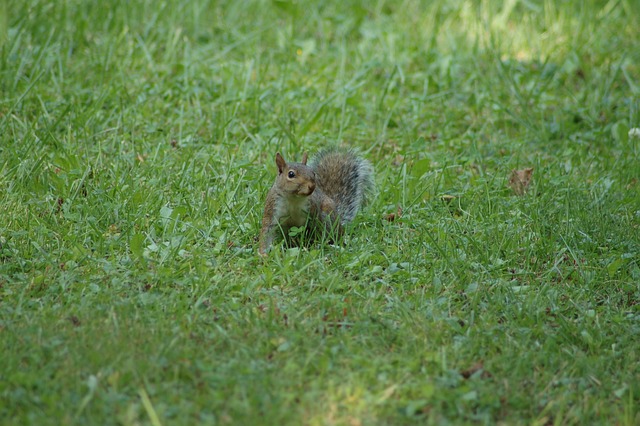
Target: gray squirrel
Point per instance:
(324, 196)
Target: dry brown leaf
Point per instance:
(520, 180)
(474, 369)
(393, 216)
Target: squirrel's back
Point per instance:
(344, 177)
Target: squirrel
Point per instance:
(324, 196)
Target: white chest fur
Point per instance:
(294, 212)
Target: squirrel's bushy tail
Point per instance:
(344, 177)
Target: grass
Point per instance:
(136, 148)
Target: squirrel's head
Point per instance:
(295, 178)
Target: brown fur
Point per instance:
(322, 196)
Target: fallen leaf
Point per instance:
(393, 216)
(74, 320)
(478, 366)
(520, 179)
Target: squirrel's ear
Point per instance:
(280, 163)
(304, 158)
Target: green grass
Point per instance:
(137, 144)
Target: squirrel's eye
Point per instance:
(291, 174)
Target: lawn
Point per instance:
(137, 144)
